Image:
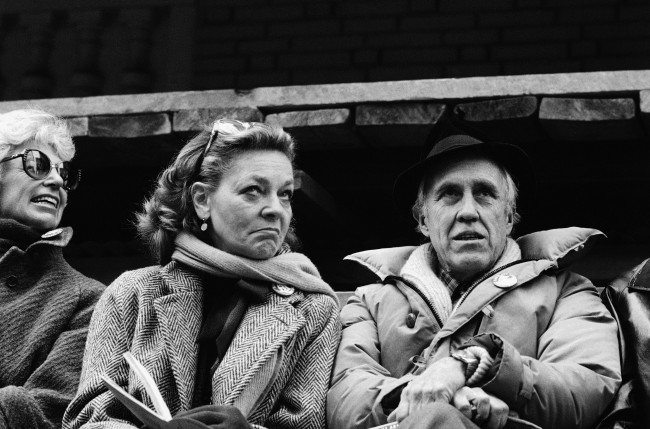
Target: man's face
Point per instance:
(466, 215)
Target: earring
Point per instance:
(204, 225)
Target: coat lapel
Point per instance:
(180, 315)
(255, 355)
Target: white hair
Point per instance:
(33, 125)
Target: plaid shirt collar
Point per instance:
(447, 279)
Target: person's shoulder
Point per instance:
(563, 246)
(135, 281)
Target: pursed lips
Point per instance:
(268, 230)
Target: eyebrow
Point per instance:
(478, 183)
(264, 180)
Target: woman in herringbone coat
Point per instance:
(45, 304)
(235, 328)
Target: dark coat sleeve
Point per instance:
(628, 298)
(41, 401)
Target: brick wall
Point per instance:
(252, 43)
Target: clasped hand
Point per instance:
(444, 381)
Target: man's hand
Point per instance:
(437, 383)
(485, 410)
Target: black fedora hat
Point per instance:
(508, 156)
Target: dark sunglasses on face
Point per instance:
(37, 165)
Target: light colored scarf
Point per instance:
(420, 270)
(293, 269)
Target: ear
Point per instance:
(422, 226)
(201, 199)
(510, 222)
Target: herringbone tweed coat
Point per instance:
(276, 370)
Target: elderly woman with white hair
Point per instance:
(45, 304)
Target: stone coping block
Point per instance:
(399, 114)
(397, 124)
(310, 118)
(322, 129)
(590, 119)
(507, 119)
(322, 96)
(78, 126)
(497, 110)
(129, 126)
(197, 119)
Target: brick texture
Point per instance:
(203, 44)
(322, 41)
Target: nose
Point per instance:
(468, 211)
(273, 207)
(53, 179)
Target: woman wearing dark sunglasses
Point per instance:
(235, 328)
(45, 305)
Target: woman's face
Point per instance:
(250, 210)
(35, 203)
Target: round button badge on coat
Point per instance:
(505, 280)
(283, 290)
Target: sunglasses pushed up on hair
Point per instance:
(38, 166)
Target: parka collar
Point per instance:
(561, 246)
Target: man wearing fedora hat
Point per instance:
(472, 328)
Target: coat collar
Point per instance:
(641, 281)
(562, 246)
(258, 341)
(14, 233)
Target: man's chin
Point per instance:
(470, 267)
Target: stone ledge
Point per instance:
(129, 126)
(318, 129)
(507, 119)
(590, 119)
(397, 124)
(78, 126)
(321, 96)
(197, 119)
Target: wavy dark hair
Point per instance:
(205, 159)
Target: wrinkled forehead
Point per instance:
(463, 169)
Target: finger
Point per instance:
(482, 404)
(461, 401)
(498, 414)
(402, 411)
